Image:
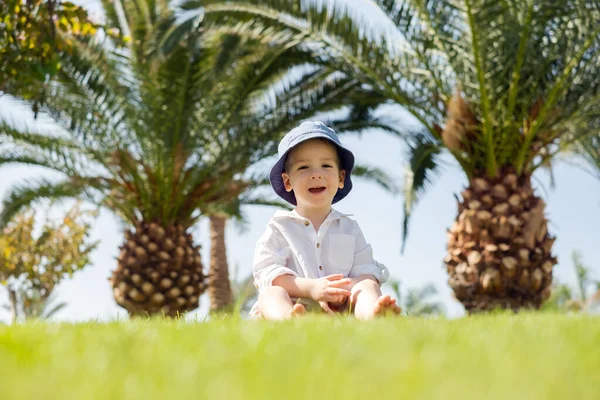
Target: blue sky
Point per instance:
(573, 209)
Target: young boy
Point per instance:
(315, 254)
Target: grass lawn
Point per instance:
(486, 357)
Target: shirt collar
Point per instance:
(333, 215)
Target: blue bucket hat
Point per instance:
(306, 131)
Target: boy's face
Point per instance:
(312, 171)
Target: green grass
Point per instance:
(486, 357)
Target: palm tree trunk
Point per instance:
(159, 271)
(14, 313)
(219, 287)
(499, 248)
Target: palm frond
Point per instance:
(29, 192)
(349, 49)
(52, 311)
(521, 78)
(589, 148)
(166, 123)
(175, 33)
(376, 175)
(258, 200)
(423, 164)
(21, 145)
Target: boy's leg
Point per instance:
(369, 302)
(275, 303)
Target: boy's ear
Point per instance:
(342, 178)
(286, 182)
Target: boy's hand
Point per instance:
(330, 289)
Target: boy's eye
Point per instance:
(302, 167)
(327, 166)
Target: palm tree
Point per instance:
(158, 122)
(497, 84)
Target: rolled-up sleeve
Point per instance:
(270, 258)
(364, 264)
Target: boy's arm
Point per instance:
(328, 288)
(270, 259)
(294, 285)
(365, 267)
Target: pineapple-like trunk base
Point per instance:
(159, 271)
(499, 249)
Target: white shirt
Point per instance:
(291, 246)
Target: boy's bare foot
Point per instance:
(386, 305)
(298, 310)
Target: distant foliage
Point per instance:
(584, 297)
(417, 301)
(31, 265)
(32, 305)
(244, 292)
(32, 35)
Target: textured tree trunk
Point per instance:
(14, 310)
(219, 287)
(159, 271)
(499, 249)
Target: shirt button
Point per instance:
(306, 223)
(318, 245)
(321, 267)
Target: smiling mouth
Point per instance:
(317, 189)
